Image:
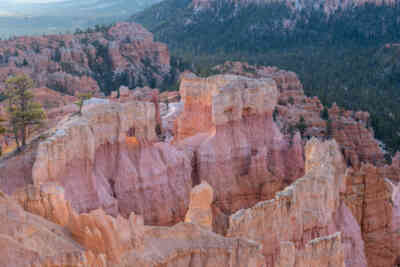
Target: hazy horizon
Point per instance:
(27, 17)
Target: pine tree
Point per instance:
(24, 114)
(325, 114)
(82, 97)
(329, 128)
(301, 125)
(2, 132)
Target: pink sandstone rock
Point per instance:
(104, 159)
(298, 223)
(46, 201)
(373, 200)
(200, 211)
(350, 129)
(70, 63)
(109, 158)
(324, 251)
(127, 242)
(241, 153)
(29, 240)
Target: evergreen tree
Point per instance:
(329, 128)
(24, 114)
(325, 114)
(82, 97)
(2, 132)
(301, 125)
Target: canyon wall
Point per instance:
(306, 224)
(349, 128)
(107, 154)
(87, 62)
(108, 241)
(237, 183)
(239, 150)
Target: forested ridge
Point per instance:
(349, 57)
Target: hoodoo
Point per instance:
(236, 183)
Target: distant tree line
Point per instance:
(342, 58)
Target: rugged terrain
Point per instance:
(341, 51)
(52, 17)
(234, 178)
(102, 61)
(326, 6)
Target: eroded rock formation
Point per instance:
(104, 159)
(29, 240)
(251, 192)
(301, 216)
(200, 211)
(373, 199)
(349, 128)
(227, 123)
(123, 54)
(109, 241)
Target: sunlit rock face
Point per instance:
(227, 186)
(374, 200)
(301, 226)
(107, 158)
(103, 240)
(238, 149)
(200, 211)
(349, 128)
(30, 240)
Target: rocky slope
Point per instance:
(112, 167)
(235, 156)
(350, 129)
(250, 191)
(52, 17)
(310, 226)
(30, 240)
(326, 6)
(124, 54)
(300, 219)
(341, 51)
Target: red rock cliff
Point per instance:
(125, 54)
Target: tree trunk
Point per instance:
(16, 139)
(23, 136)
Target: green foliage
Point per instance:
(159, 131)
(2, 97)
(340, 58)
(57, 55)
(275, 114)
(301, 125)
(2, 128)
(24, 114)
(167, 103)
(96, 28)
(2, 132)
(227, 28)
(325, 114)
(329, 128)
(81, 100)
